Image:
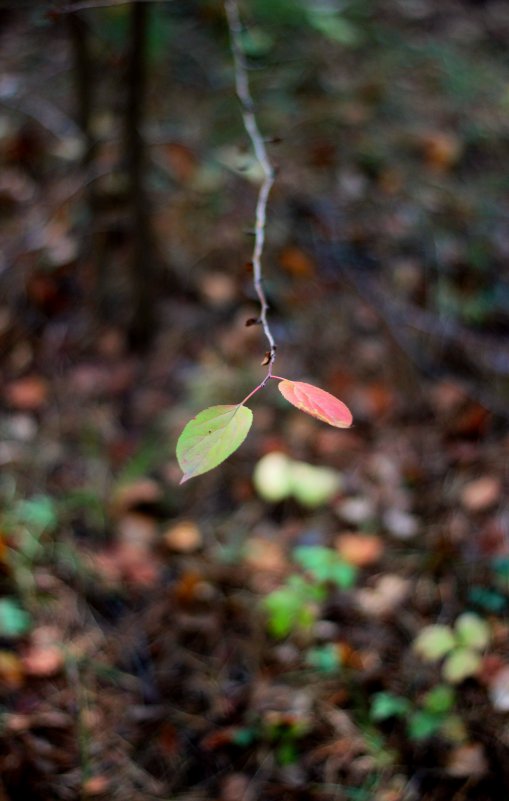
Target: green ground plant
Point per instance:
(296, 605)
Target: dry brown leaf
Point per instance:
(95, 785)
(389, 592)
(27, 394)
(296, 262)
(218, 288)
(265, 555)
(441, 150)
(183, 537)
(43, 660)
(467, 761)
(12, 673)
(481, 494)
(359, 549)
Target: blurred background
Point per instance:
(324, 616)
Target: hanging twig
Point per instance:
(251, 126)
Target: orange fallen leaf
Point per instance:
(12, 673)
(296, 262)
(27, 394)
(96, 785)
(183, 537)
(481, 493)
(43, 660)
(359, 549)
(265, 555)
(441, 150)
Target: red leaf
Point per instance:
(317, 403)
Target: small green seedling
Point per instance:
(277, 477)
(324, 658)
(14, 621)
(460, 647)
(295, 605)
(434, 715)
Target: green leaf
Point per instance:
(333, 26)
(488, 599)
(286, 753)
(272, 477)
(472, 631)
(276, 477)
(38, 512)
(387, 705)
(325, 564)
(324, 658)
(424, 724)
(244, 737)
(292, 606)
(434, 642)
(461, 664)
(210, 437)
(14, 621)
(439, 700)
(313, 486)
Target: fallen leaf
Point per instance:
(95, 785)
(296, 262)
(218, 288)
(467, 761)
(43, 660)
(27, 394)
(183, 537)
(12, 673)
(441, 150)
(389, 592)
(359, 549)
(265, 555)
(481, 494)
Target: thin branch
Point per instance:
(251, 126)
(84, 5)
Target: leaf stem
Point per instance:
(256, 389)
(251, 126)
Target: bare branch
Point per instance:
(251, 126)
(84, 5)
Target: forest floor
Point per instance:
(214, 640)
